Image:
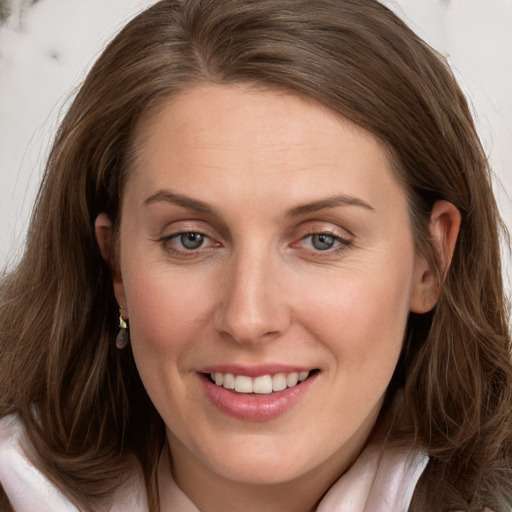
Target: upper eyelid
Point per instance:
(303, 230)
(190, 226)
(200, 225)
(177, 234)
(327, 233)
(342, 233)
(345, 242)
(184, 232)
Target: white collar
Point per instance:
(29, 490)
(376, 482)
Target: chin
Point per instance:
(261, 472)
(262, 463)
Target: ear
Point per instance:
(444, 228)
(104, 237)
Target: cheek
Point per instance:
(166, 313)
(361, 316)
(165, 310)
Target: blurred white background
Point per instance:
(46, 48)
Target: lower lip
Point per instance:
(255, 407)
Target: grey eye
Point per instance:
(322, 242)
(191, 240)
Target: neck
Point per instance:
(211, 492)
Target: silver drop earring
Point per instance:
(123, 336)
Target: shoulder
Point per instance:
(24, 485)
(27, 489)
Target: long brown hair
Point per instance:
(82, 403)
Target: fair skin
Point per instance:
(261, 235)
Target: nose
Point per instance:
(253, 306)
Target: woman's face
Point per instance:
(264, 241)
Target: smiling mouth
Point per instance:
(262, 385)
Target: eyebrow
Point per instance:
(330, 202)
(167, 196)
(195, 205)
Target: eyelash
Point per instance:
(184, 252)
(344, 244)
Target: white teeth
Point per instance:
(292, 379)
(229, 381)
(279, 382)
(303, 376)
(263, 385)
(243, 384)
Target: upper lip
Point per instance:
(255, 370)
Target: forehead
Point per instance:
(208, 108)
(213, 135)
